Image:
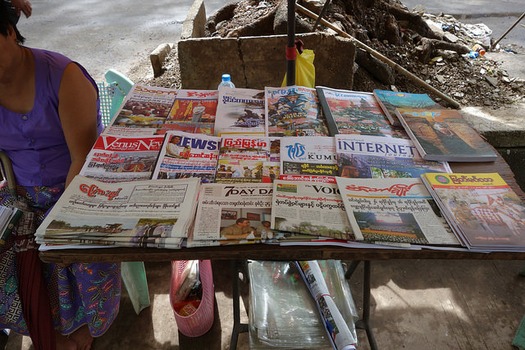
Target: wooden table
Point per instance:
(239, 253)
(272, 252)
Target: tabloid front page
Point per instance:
(186, 155)
(221, 207)
(126, 158)
(310, 208)
(143, 111)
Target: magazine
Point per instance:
(242, 158)
(342, 337)
(188, 155)
(193, 111)
(310, 208)
(143, 111)
(293, 111)
(122, 158)
(355, 112)
(444, 135)
(308, 158)
(391, 100)
(233, 212)
(363, 156)
(485, 213)
(394, 210)
(240, 111)
(137, 213)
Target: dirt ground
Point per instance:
(436, 49)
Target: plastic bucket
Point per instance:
(201, 321)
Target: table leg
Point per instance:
(364, 322)
(238, 327)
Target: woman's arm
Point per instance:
(77, 109)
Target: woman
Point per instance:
(49, 119)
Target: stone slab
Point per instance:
(257, 62)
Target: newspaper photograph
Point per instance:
(125, 213)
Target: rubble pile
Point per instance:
(437, 49)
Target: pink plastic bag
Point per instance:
(200, 321)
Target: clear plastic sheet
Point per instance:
(283, 313)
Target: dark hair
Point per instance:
(9, 18)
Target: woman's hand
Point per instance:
(23, 6)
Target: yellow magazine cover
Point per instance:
(483, 210)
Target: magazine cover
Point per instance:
(293, 111)
(391, 100)
(444, 135)
(193, 111)
(484, 211)
(394, 210)
(122, 158)
(310, 208)
(240, 111)
(143, 111)
(188, 155)
(362, 156)
(355, 112)
(136, 213)
(242, 158)
(233, 212)
(308, 158)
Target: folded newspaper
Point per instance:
(149, 213)
(340, 334)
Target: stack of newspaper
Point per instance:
(150, 213)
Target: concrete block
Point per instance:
(158, 56)
(195, 22)
(202, 62)
(257, 62)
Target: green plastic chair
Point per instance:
(112, 93)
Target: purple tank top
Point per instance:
(34, 141)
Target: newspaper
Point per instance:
(137, 213)
(394, 210)
(241, 158)
(310, 208)
(193, 111)
(186, 155)
(340, 334)
(355, 112)
(240, 111)
(308, 158)
(293, 111)
(143, 111)
(122, 158)
(364, 156)
(222, 206)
